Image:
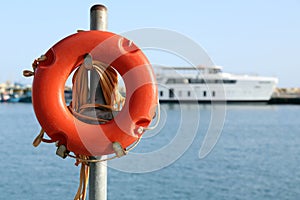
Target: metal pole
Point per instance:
(98, 15)
(98, 171)
(98, 18)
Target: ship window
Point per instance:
(189, 93)
(210, 81)
(213, 93)
(161, 93)
(171, 93)
(229, 81)
(177, 81)
(214, 70)
(264, 82)
(196, 80)
(213, 81)
(204, 93)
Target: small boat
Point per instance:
(13, 98)
(26, 97)
(4, 97)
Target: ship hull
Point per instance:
(217, 88)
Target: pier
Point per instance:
(285, 96)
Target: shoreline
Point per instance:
(15, 93)
(272, 101)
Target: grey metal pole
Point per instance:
(98, 19)
(98, 171)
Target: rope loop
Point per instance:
(35, 64)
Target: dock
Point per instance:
(285, 96)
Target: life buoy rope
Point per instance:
(83, 179)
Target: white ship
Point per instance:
(206, 84)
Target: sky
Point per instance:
(245, 37)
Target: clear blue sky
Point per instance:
(256, 37)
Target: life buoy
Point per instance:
(52, 73)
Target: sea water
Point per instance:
(256, 156)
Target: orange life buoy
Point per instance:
(52, 73)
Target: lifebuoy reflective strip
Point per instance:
(48, 92)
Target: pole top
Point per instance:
(98, 16)
(98, 7)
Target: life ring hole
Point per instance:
(96, 94)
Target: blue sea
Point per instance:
(256, 156)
